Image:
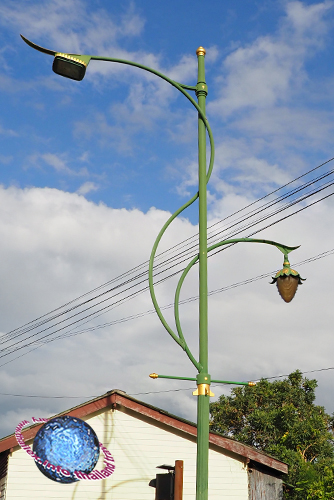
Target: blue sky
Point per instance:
(123, 137)
(90, 171)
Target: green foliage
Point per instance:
(281, 419)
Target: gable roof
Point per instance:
(116, 399)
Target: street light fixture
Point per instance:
(287, 281)
(70, 67)
(74, 66)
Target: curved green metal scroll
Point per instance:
(183, 89)
(178, 339)
(283, 248)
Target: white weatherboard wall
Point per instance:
(137, 446)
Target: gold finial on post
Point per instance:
(200, 51)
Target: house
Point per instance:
(141, 437)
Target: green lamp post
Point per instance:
(74, 66)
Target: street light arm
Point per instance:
(187, 87)
(179, 339)
(283, 248)
(179, 86)
(85, 59)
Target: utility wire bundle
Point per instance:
(282, 203)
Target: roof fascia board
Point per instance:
(116, 398)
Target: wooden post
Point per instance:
(178, 482)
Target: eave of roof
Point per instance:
(119, 398)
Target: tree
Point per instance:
(281, 419)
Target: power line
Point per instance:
(171, 262)
(302, 373)
(152, 311)
(194, 298)
(131, 295)
(154, 392)
(10, 349)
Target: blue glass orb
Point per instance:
(67, 442)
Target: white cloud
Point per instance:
(308, 20)
(117, 136)
(87, 187)
(56, 246)
(60, 21)
(58, 162)
(266, 72)
(72, 26)
(277, 119)
(5, 160)
(8, 132)
(85, 156)
(58, 26)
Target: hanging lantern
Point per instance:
(287, 281)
